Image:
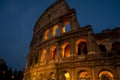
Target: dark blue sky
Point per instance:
(18, 17)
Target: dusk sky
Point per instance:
(18, 17)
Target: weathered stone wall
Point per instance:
(62, 50)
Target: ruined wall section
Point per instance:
(55, 11)
(107, 38)
(59, 14)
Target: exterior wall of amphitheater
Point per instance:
(63, 50)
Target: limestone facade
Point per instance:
(63, 50)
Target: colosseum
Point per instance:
(61, 49)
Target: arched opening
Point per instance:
(106, 75)
(53, 53)
(116, 47)
(51, 76)
(66, 50)
(46, 35)
(81, 47)
(43, 56)
(83, 75)
(102, 48)
(67, 76)
(55, 30)
(66, 26)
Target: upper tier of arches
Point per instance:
(53, 31)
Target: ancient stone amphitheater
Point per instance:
(63, 50)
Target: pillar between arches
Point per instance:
(72, 48)
(60, 28)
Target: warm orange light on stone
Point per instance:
(67, 75)
(46, 35)
(54, 30)
(84, 75)
(106, 73)
(43, 55)
(77, 42)
(65, 50)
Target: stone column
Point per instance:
(47, 54)
(72, 48)
(92, 45)
(60, 28)
(50, 33)
(117, 76)
(93, 75)
(58, 52)
(118, 70)
(73, 74)
(74, 23)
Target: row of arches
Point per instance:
(103, 75)
(64, 50)
(52, 32)
(115, 47)
(56, 30)
(81, 48)
(85, 75)
(81, 75)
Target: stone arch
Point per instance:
(46, 34)
(51, 76)
(55, 30)
(81, 47)
(106, 75)
(65, 49)
(43, 55)
(116, 47)
(102, 48)
(53, 53)
(66, 26)
(64, 75)
(83, 75)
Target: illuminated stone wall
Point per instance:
(62, 50)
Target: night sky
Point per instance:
(18, 17)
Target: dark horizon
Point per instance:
(17, 19)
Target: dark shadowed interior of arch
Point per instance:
(36, 57)
(30, 62)
(116, 47)
(105, 77)
(55, 54)
(40, 38)
(82, 48)
(102, 48)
